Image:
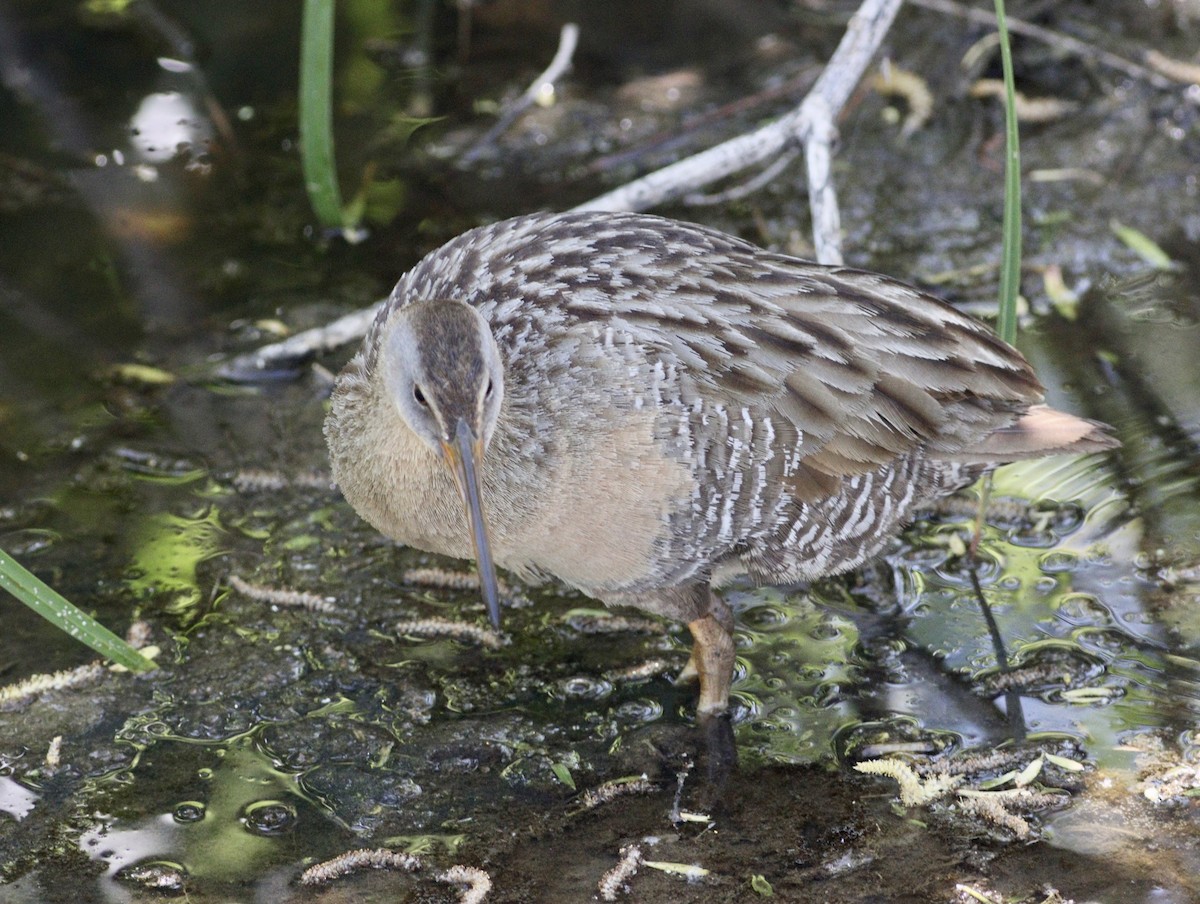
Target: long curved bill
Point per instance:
(463, 454)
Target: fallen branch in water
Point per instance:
(810, 125)
(540, 90)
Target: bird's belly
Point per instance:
(602, 514)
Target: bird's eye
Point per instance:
(487, 392)
(419, 396)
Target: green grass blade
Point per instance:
(1010, 270)
(53, 607)
(316, 112)
(1010, 266)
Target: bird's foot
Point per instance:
(712, 662)
(689, 673)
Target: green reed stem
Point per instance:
(49, 604)
(1010, 266)
(1010, 270)
(316, 112)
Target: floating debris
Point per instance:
(294, 599)
(256, 480)
(478, 883)
(353, 861)
(972, 763)
(611, 790)
(1088, 696)
(1178, 783)
(1176, 70)
(1142, 245)
(967, 893)
(54, 753)
(595, 621)
(892, 81)
(1064, 763)
(161, 875)
(444, 627)
(615, 881)
(1050, 668)
(444, 579)
(651, 668)
(886, 748)
(690, 871)
(22, 692)
(914, 792)
(1166, 777)
(997, 806)
(1029, 109)
(147, 375)
(138, 634)
(1009, 511)
(761, 886)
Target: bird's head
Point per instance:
(441, 368)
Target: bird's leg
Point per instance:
(712, 655)
(711, 624)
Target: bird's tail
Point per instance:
(1040, 431)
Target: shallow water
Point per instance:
(275, 737)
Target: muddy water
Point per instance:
(276, 736)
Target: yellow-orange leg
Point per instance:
(712, 662)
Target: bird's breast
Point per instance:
(596, 510)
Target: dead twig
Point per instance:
(540, 91)
(1177, 70)
(665, 141)
(346, 329)
(811, 125)
(749, 187)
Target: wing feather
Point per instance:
(863, 367)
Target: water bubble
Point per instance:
(269, 817)
(764, 617)
(826, 630)
(1082, 609)
(188, 811)
(1102, 640)
(1058, 562)
(583, 687)
(956, 571)
(640, 710)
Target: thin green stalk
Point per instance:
(1010, 271)
(52, 606)
(1010, 267)
(316, 112)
